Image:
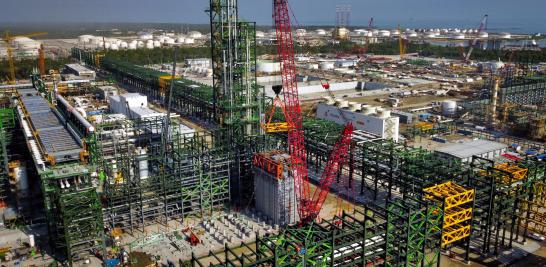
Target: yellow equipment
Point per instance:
(11, 62)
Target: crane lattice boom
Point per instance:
(308, 206)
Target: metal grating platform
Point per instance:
(54, 138)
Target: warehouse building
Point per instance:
(465, 151)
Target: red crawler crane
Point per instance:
(309, 205)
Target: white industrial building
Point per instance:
(81, 71)
(370, 119)
(464, 151)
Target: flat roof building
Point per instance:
(81, 71)
(464, 151)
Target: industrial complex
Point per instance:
(288, 158)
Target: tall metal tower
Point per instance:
(237, 99)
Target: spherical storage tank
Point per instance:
(195, 34)
(86, 38)
(449, 107)
(145, 36)
(268, 66)
(320, 32)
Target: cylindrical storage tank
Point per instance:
(367, 110)
(355, 106)
(114, 47)
(342, 103)
(195, 34)
(384, 33)
(180, 40)
(141, 44)
(505, 35)
(124, 45)
(145, 36)
(384, 113)
(327, 65)
(189, 41)
(449, 107)
(320, 32)
(107, 45)
(268, 66)
(85, 38)
(330, 100)
(157, 44)
(260, 34)
(209, 72)
(169, 41)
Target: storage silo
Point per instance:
(449, 107)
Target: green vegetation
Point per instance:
(23, 68)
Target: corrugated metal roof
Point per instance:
(471, 148)
(53, 136)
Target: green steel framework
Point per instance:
(73, 214)
(7, 122)
(355, 239)
(238, 102)
(414, 230)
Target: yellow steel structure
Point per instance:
(451, 193)
(424, 126)
(453, 234)
(164, 81)
(275, 127)
(515, 173)
(401, 44)
(8, 38)
(457, 202)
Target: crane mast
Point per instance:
(475, 40)
(309, 205)
(296, 145)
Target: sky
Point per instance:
(506, 14)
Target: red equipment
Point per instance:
(309, 206)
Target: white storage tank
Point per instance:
(107, 45)
(180, 40)
(505, 35)
(157, 44)
(132, 46)
(150, 45)
(114, 47)
(189, 41)
(145, 36)
(449, 107)
(195, 34)
(320, 32)
(384, 33)
(86, 38)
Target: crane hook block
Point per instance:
(277, 89)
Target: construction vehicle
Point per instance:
(309, 205)
(8, 38)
